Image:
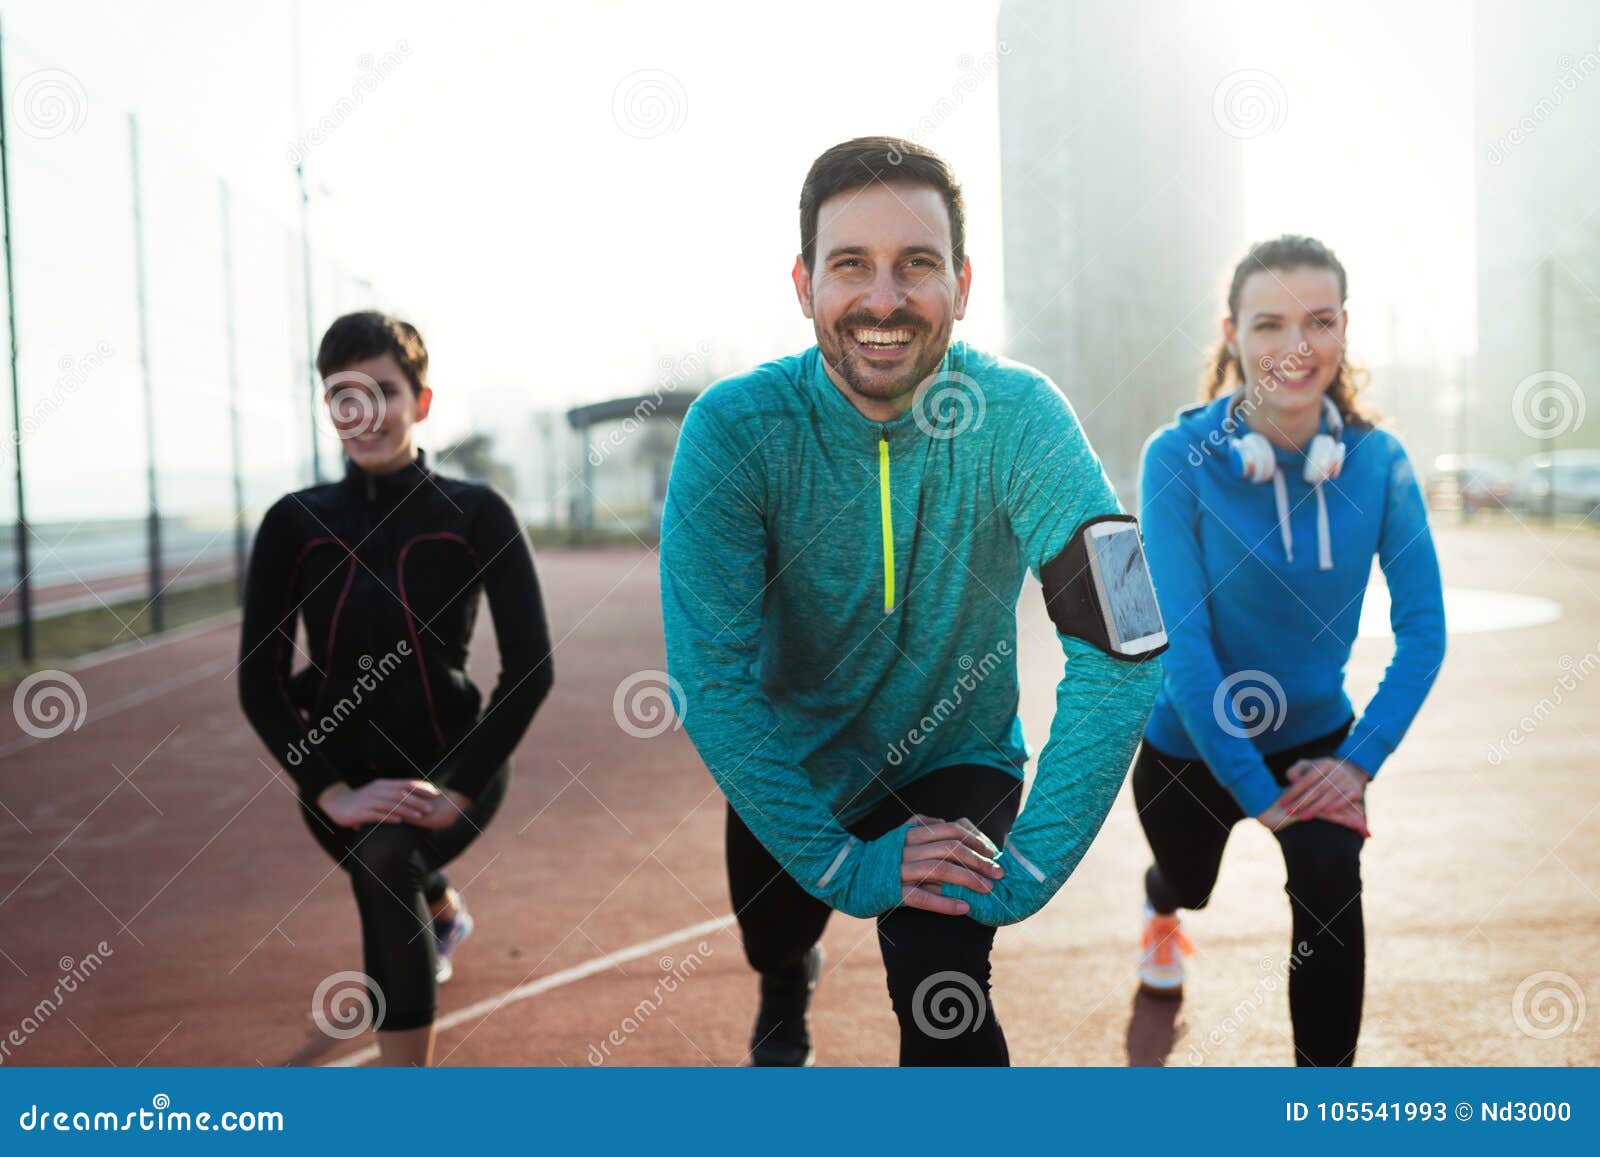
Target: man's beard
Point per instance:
(866, 378)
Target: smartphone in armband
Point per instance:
(1099, 589)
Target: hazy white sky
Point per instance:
(555, 241)
(1375, 156)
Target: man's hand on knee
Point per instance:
(945, 852)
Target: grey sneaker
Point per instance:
(450, 934)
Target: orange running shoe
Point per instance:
(1161, 953)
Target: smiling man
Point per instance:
(845, 539)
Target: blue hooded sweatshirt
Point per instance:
(839, 599)
(1262, 597)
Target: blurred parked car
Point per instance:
(1574, 475)
(1469, 482)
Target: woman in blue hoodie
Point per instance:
(1262, 508)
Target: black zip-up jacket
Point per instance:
(386, 570)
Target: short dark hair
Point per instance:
(355, 337)
(865, 160)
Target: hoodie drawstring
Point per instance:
(1280, 491)
(1324, 547)
(1253, 456)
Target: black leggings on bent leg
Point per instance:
(937, 966)
(395, 874)
(1187, 817)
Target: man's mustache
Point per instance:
(894, 321)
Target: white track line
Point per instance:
(546, 983)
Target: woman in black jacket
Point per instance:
(397, 769)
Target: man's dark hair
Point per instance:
(355, 337)
(858, 163)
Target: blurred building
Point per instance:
(1120, 130)
(1537, 129)
(628, 445)
(473, 458)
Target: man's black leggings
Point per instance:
(395, 873)
(938, 966)
(1187, 816)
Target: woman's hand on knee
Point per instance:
(1317, 785)
(382, 801)
(1350, 814)
(445, 810)
(1346, 813)
(1322, 789)
(1277, 817)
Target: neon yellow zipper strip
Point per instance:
(888, 525)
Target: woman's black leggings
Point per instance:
(938, 966)
(395, 873)
(1187, 816)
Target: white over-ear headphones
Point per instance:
(1253, 456)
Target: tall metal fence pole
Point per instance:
(298, 94)
(311, 336)
(233, 394)
(24, 577)
(157, 609)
